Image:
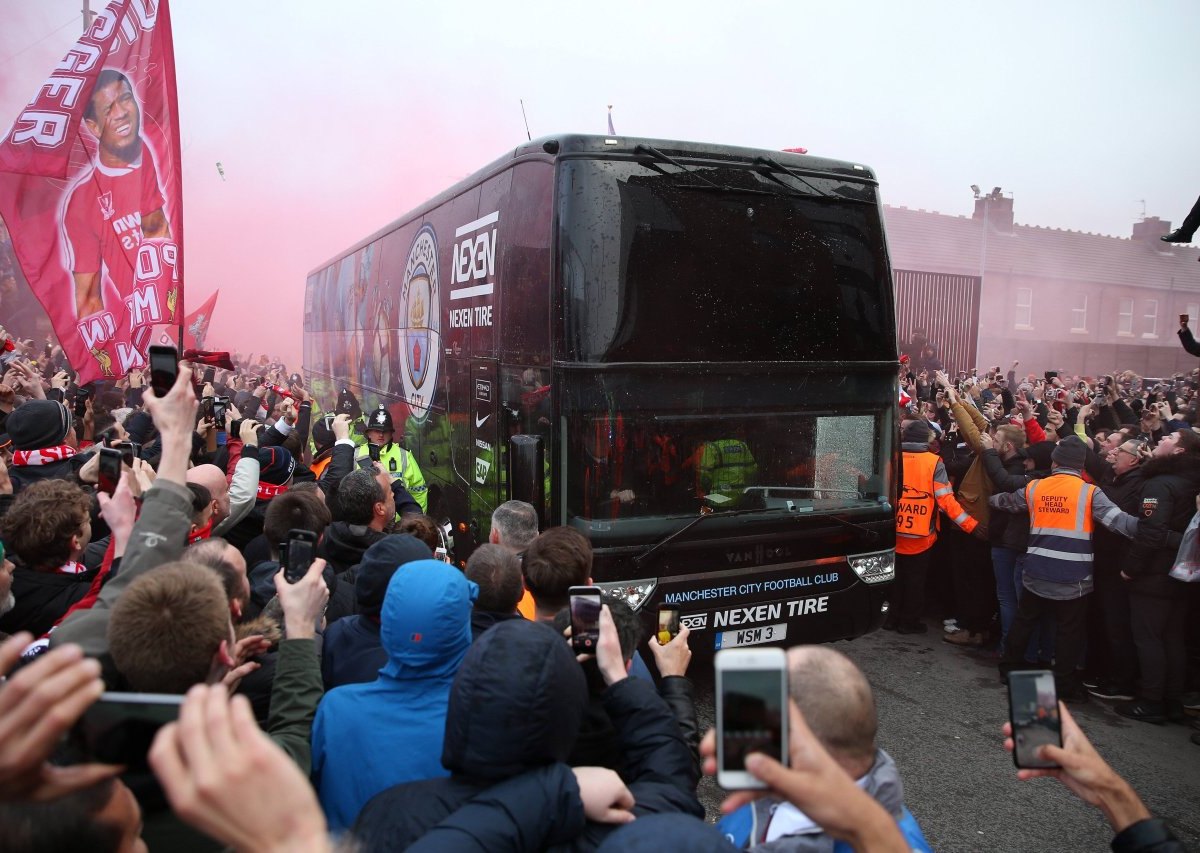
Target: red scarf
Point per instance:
(203, 533)
(43, 455)
(266, 491)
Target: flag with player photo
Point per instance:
(91, 189)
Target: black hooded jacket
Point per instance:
(343, 544)
(1168, 504)
(514, 713)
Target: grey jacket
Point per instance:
(159, 536)
(243, 492)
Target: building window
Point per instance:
(1193, 311)
(1079, 313)
(1024, 308)
(1125, 318)
(1151, 319)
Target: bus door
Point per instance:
(487, 468)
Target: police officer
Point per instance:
(1058, 560)
(397, 462)
(926, 489)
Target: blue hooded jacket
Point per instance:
(368, 737)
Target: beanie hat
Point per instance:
(322, 433)
(379, 563)
(916, 432)
(39, 423)
(1071, 452)
(1040, 454)
(276, 465)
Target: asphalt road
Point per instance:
(940, 712)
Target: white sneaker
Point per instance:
(950, 626)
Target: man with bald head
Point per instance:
(235, 497)
(837, 703)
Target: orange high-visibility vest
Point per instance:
(916, 514)
(1060, 529)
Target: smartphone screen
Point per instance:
(751, 711)
(164, 366)
(668, 624)
(585, 618)
(1033, 712)
(129, 451)
(219, 408)
(120, 727)
(110, 470)
(81, 398)
(301, 548)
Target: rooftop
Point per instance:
(937, 242)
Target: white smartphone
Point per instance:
(752, 711)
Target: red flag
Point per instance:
(91, 190)
(195, 325)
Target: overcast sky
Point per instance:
(332, 119)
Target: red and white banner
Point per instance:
(195, 325)
(91, 188)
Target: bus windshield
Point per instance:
(637, 450)
(720, 263)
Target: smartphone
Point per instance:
(129, 451)
(1183, 319)
(110, 469)
(752, 711)
(164, 367)
(1051, 374)
(120, 727)
(1033, 712)
(668, 623)
(585, 618)
(210, 374)
(373, 452)
(81, 398)
(220, 405)
(301, 548)
(206, 408)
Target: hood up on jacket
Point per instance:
(343, 544)
(426, 620)
(379, 563)
(516, 703)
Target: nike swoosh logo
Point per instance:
(480, 421)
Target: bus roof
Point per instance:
(570, 145)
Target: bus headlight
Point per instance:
(633, 593)
(874, 568)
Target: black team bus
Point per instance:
(686, 352)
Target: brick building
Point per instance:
(989, 291)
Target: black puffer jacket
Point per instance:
(509, 786)
(1111, 550)
(1168, 504)
(42, 599)
(343, 544)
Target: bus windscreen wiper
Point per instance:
(706, 512)
(772, 165)
(651, 151)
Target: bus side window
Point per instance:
(525, 265)
(526, 395)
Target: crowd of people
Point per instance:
(386, 698)
(1072, 499)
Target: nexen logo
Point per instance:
(694, 623)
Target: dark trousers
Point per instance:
(908, 590)
(1158, 633)
(974, 583)
(1192, 221)
(1111, 652)
(1070, 619)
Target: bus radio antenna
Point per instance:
(528, 135)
